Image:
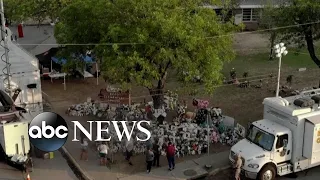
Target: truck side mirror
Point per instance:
(285, 143)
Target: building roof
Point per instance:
(21, 61)
(259, 2)
(243, 4)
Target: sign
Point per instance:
(115, 97)
(318, 137)
(240, 130)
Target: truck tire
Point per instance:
(267, 173)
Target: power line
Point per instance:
(209, 37)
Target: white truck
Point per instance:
(285, 141)
(14, 138)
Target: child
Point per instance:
(84, 150)
(103, 152)
(149, 159)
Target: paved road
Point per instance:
(9, 173)
(312, 174)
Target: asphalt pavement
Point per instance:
(311, 174)
(9, 173)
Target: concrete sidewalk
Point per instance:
(191, 169)
(52, 169)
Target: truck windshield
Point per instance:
(261, 138)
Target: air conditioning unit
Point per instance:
(304, 102)
(316, 99)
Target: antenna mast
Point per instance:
(6, 49)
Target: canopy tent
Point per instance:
(50, 61)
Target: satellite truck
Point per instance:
(14, 138)
(285, 141)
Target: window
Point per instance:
(227, 15)
(218, 12)
(250, 15)
(246, 14)
(255, 14)
(261, 138)
(281, 141)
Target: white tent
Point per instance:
(25, 74)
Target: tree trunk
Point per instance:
(272, 39)
(310, 45)
(157, 95)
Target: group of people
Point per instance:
(103, 149)
(154, 152)
(152, 155)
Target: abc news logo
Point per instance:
(48, 131)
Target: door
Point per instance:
(282, 151)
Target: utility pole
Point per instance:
(6, 50)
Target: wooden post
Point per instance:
(97, 73)
(129, 97)
(64, 81)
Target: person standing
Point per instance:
(103, 152)
(238, 166)
(129, 151)
(149, 159)
(156, 151)
(84, 149)
(171, 151)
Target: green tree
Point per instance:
(306, 12)
(39, 10)
(13, 10)
(168, 36)
(269, 21)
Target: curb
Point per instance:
(217, 170)
(198, 176)
(211, 173)
(83, 174)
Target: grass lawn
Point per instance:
(244, 104)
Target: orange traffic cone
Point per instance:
(28, 177)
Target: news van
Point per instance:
(285, 141)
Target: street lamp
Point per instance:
(280, 50)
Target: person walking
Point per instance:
(84, 149)
(149, 159)
(238, 165)
(171, 151)
(157, 153)
(103, 152)
(129, 151)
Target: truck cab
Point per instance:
(285, 141)
(266, 145)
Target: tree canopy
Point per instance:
(39, 10)
(303, 18)
(141, 41)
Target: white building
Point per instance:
(249, 12)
